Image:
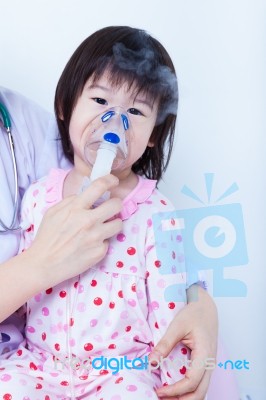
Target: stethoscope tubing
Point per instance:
(5, 228)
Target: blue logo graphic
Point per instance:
(213, 238)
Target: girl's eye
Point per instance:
(99, 100)
(134, 111)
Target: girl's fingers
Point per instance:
(198, 394)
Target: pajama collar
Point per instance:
(140, 194)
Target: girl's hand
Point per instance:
(196, 325)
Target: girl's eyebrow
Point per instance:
(95, 86)
(144, 101)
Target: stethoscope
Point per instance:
(7, 125)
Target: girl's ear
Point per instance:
(150, 144)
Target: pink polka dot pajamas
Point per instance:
(114, 312)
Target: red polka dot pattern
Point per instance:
(88, 346)
(131, 251)
(99, 312)
(97, 301)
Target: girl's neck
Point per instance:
(127, 182)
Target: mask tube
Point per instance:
(107, 147)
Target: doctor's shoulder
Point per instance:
(20, 106)
(29, 121)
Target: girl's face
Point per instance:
(98, 97)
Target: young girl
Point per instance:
(83, 336)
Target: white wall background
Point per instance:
(218, 47)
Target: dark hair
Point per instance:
(130, 55)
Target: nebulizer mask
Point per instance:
(106, 148)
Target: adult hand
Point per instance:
(196, 326)
(72, 237)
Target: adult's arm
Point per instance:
(196, 325)
(72, 237)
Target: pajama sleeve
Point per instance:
(27, 219)
(166, 288)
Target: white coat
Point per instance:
(37, 150)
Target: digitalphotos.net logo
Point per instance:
(117, 364)
(212, 236)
